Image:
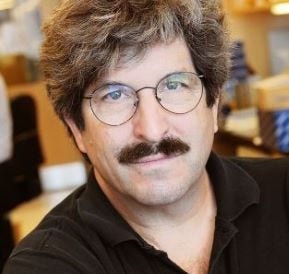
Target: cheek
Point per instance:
(197, 126)
(104, 142)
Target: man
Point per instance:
(138, 84)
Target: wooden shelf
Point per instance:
(248, 6)
(250, 10)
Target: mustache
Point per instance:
(168, 146)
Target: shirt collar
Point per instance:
(234, 189)
(100, 216)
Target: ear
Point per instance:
(215, 111)
(77, 134)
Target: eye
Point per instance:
(115, 93)
(173, 85)
(177, 82)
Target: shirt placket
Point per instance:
(224, 259)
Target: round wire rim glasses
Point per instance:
(116, 103)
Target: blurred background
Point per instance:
(42, 165)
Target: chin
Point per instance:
(161, 194)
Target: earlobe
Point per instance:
(77, 134)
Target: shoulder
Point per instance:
(264, 168)
(52, 251)
(60, 244)
(272, 177)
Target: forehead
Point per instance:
(156, 62)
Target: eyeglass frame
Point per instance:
(200, 76)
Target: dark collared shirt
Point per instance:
(85, 234)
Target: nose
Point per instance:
(150, 122)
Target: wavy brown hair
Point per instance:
(84, 38)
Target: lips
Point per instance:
(154, 159)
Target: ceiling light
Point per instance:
(6, 4)
(280, 7)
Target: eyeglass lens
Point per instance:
(115, 103)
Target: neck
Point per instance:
(153, 221)
(180, 220)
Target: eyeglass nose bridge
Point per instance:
(148, 87)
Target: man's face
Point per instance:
(159, 178)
